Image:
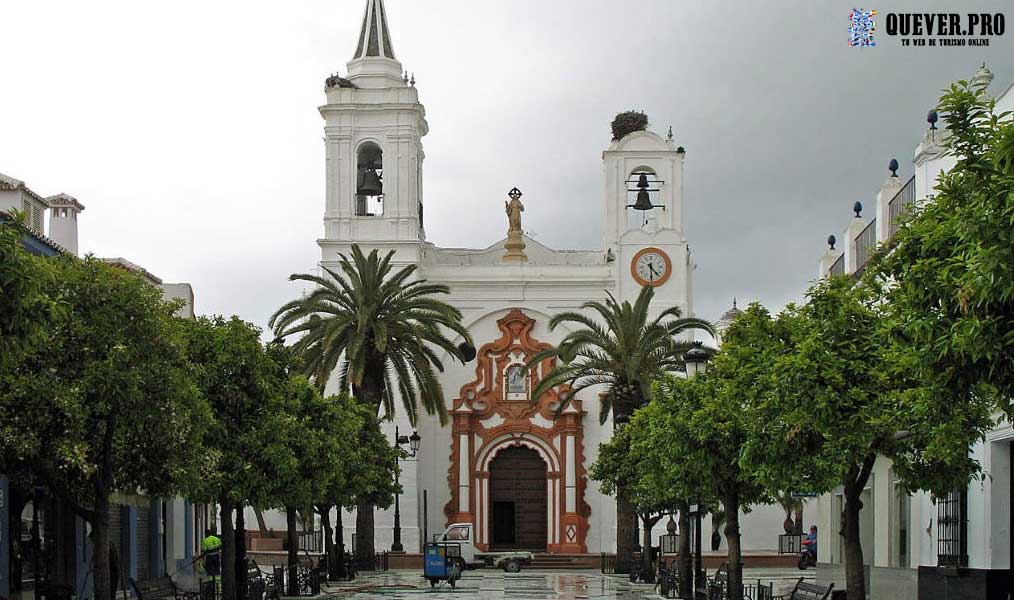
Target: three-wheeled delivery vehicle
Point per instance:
(453, 551)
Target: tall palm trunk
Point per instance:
(628, 398)
(228, 550)
(370, 393)
(732, 536)
(364, 550)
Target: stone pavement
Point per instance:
(489, 584)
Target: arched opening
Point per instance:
(643, 191)
(517, 500)
(369, 180)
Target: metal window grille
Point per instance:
(838, 268)
(866, 243)
(952, 530)
(900, 204)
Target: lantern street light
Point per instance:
(696, 360)
(413, 442)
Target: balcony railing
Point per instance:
(899, 205)
(866, 244)
(838, 268)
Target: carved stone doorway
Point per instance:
(517, 496)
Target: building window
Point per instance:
(952, 530)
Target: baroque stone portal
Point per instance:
(493, 418)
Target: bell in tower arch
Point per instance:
(369, 182)
(643, 201)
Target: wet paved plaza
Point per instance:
(533, 585)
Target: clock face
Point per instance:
(651, 267)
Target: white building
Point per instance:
(504, 463)
(915, 547)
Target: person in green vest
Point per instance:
(211, 553)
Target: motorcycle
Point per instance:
(807, 558)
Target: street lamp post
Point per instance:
(696, 361)
(413, 444)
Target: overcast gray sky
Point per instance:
(190, 129)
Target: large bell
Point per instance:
(371, 185)
(643, 201)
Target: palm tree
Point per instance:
(380, 331)
(625, 351)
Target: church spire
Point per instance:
(374, 39)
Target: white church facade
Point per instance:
(505, 462)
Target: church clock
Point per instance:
(651, 266)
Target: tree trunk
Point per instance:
(100, 548)
(686, 566)
(855, 577)
(646, 547)
(626, 532)
(370, 393)
(340, 542)
(364, 532)
(228, 550)
(799, 518)
(732, 538)
(240, 565)
(262, 527)
(293, 543)
(329, 555)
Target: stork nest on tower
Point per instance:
(628, 122)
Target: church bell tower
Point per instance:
(645, 218)
(373, 132)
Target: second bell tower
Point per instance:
(373, 132)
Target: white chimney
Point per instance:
(63, 211)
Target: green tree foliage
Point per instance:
(699, 428)
(381, 330)
(949, 271)
(698, 431)
(242, 384)
(103, 400)
(310, 445)
(843, 397)
(627, 471)
(624, 349)
(25, 306)
(366, 474)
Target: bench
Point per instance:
(808, 591)
(159, 589)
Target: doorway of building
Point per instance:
(517, 495)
